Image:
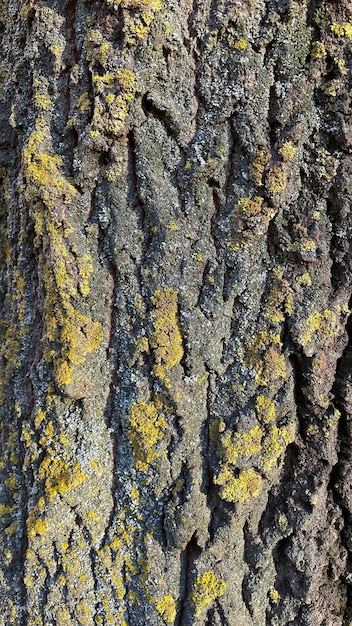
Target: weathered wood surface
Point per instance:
(176, 399)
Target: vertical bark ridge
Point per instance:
(175, 286)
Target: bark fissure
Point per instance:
(175, 274)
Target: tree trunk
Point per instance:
(176, 272)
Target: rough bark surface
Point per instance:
(176, 393)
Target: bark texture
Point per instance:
(176, 395)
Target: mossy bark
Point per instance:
(176, 429)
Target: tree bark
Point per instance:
(176, 272)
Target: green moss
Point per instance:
(206, 589)
(146, 428)
(166, 340)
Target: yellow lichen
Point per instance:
(280, 298)
(238, 489)
(85, 269)
(60, 475)
(318, 50)
(264, 356)
(105, 51)
(173, 226)
(166, 340)
(42, 170)
(146, 428)
(341, 63)
(206, 589)
(274, 596)
(258, 166)
(276, 180)
(139, 27)
(241, 444)
(105, 81)
(251, 220)
(26, 7)
(318, 328)
(304, 245)
(78, 335)
(304, 280)
(287, 151)
(83, 101)
(56, 49)
(7, 510)
(241, 44)
(167, 609)
(4, 11)
(139, 20)
(93, 516)
(42, 101)
(66, 273)
(274, 445)
(247, 208)
(127, 80)
(110, 98)
(265, 409)
(342, 29)
(36, 526)
(114, 171)
(11, 529)
(118, 91)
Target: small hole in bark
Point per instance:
(104, 158)
(147, 105)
